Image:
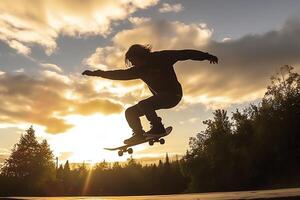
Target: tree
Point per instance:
(59, 172)
(167, 160)
(30, 162)
(257, 147)
(23, 154)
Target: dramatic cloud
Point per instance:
(23, 23)
(245, 64)
(160, 35)
(47, 100)
(163, 34)
(170, 8)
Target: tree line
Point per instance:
(257, 147)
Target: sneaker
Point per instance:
(135, 138)
(157, 129)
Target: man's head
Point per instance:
(137, 55)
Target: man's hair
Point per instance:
(136, 50)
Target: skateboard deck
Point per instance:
(150, 139)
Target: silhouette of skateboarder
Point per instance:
(156, 70)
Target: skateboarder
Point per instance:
(156, 70)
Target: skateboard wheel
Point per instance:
(120, 153)
(151, 142)
(161, 141)
(130, 151)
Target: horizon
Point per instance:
(45, 47)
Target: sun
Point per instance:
(85, 142)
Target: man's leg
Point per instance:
(145, 107)
(148, 106)
(133, 115)
(156, 102)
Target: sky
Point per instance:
(45, 45)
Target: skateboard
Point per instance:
(150, 139)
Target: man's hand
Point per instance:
(88, 73)
(212, 59)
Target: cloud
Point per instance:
(49, 99)
(21, 70)
(163, 34)
(226, 39)
(245, 63)
(103, 106)
(138, 20)
(65, 155)
(51, 66)
(190, 120)
(4, 154)
(22, 49)
(106, 58)
(170, 8)
(4, 151)
(25, 23)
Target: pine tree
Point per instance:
(167, 162)
(59, 172)
(67, 167)
(30, 161)
(22, 156)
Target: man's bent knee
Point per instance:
(132, 111)
(146, 105)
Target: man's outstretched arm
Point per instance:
(190, 54)
(127, 74)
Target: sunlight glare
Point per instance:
(90, 135)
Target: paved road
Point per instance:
(290, 193)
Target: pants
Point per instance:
(147, 107)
